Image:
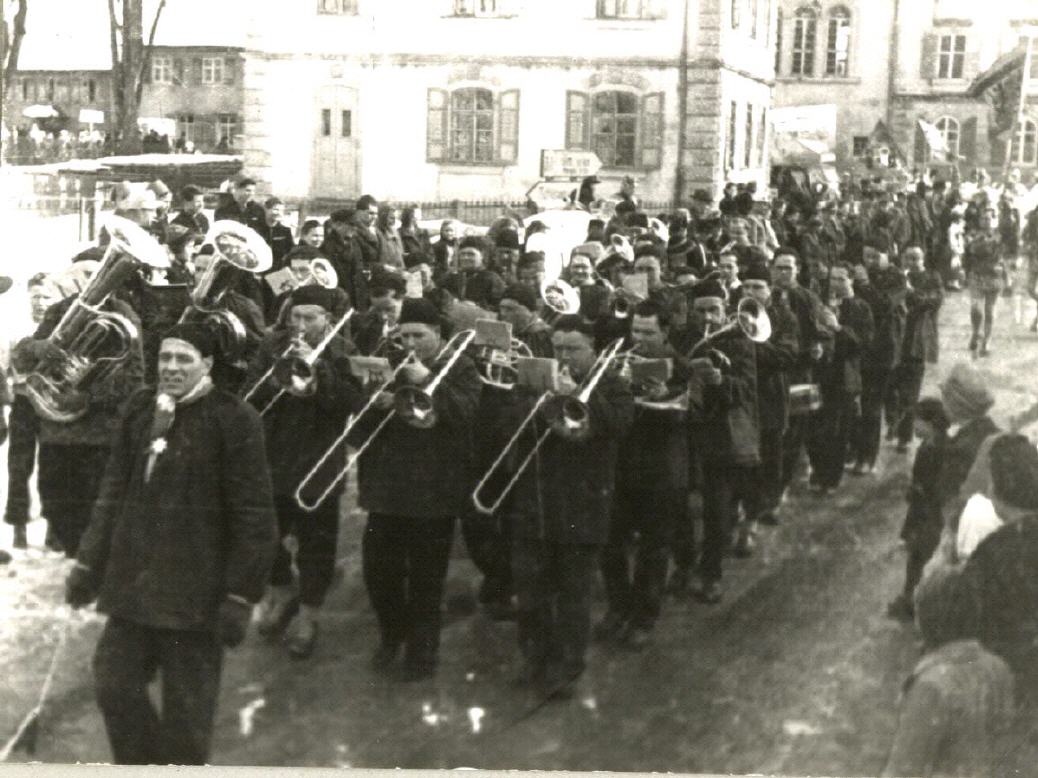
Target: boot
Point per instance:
(278, 607)
(21, 540)
(302, 633)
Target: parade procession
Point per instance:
(729, 467)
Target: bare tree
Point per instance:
(130, 59)
(11, 40)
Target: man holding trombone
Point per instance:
(423, 432)
(300, 382)
(560, 513)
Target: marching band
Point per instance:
(564, 421)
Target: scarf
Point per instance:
(162, 420)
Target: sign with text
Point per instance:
(569, 164)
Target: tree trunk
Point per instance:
(126, 76)
(13, 45)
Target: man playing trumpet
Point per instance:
(407, 541)
(299, 428)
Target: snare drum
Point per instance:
(804, 399)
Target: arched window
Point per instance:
(1025, 146)
(949, 129)
(805, 31)
(838, 42)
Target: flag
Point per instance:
(1000, 86)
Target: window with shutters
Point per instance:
(630, 9)
(951, 56)
(473, 126)
(212, 70)
(1025, 145)
(838, 42)
(227, 127)
(341, 7)
(805, 31)
(949, 129)
(623, 128)
(162, 70)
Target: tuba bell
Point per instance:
(559, 298)
(93, 343)
(236, 248)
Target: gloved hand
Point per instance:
(232, 620)
(44, 350)
(80, 588)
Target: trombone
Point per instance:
(572, 415)
(290, 370)
(416, 401)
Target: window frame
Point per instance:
(162, 69)
(955, 55)
(839, 18)
(186, 126)
(950, 128)
(464, 119)
(210, 64)
(340, 7)
(1027, 127)
(805, 42)
(496, 10)
(779, 18)
(581, 120)
(627, 10)
(444, 123)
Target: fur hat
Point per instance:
(522, 294)
(965, 393)
(197, 335)
(418, 310)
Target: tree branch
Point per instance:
(18, 32)
(146, 56)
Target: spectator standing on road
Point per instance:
(191, 203)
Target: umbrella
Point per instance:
(41, 112)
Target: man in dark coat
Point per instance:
(300, 426)
(920, 346)
(178, 549)
(560, 515)
(839, 378)
(882, 286)
(651, 486)
(413, 483)
(345, 257)
(723, 425)
(72, 454)
(242, 207)
(472, 281)
(777, 358)
(275, 232)
(192, 202)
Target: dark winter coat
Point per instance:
(168, 551)
(923, 303)
(482, 287)
(723, 421)
(252, 215)
(885, 294)
(279, 238)
(566, 494)
(776, 359)
(959, 457)
(422, 472)
(300, 429)
(197, 223)
(105, 398)
(804, 305)
(840, 374)
(922, 527)
(349, 267)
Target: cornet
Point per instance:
(750, 318)
(570, 415)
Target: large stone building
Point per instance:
(899, 61)
(440, 99)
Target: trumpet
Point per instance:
(292, 371)
(498, 367)
(408, 402)
(571, 415)
(750, 318)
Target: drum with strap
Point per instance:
(804, 399)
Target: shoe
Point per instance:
(611, 625)
(52, 543)
(302, 637)
(21, 540)
(637, 638)
(1034, 325)
(276, 611)
(973, 344)
(821, 491)
(985, 351)
(769, 517)
(709, 592)
(901, 608)
(384, 657)
(678, 583)
(744, 544)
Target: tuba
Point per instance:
(560, 299)
(92, 342)
(237, 248)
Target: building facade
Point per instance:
(899, 61)
(456, 99)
